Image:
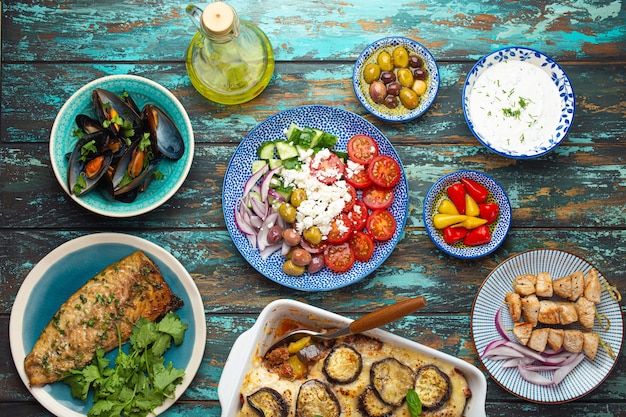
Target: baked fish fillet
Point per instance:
(118, 296)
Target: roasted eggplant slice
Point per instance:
(316, 399)
(343, 364)
(433, 386)
(391, 379)
(267, 402)
(371, 405)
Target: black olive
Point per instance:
(432, 386)
(391, 379)
(343, 364)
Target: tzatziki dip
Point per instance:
(514, 107)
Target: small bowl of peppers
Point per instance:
(467, 214)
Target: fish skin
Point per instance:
(117, 297)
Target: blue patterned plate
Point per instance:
(144, 92)
(400, 113)
(498, 229)
(339, 122)
(556, 74)
(63, 271)
(588, 375)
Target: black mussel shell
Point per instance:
(88, 124)
(164, 132)
(104, 101)
(76, 168)
(119, 185)
(128, 99)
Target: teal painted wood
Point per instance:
(151, 31)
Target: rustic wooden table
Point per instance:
(572, 199)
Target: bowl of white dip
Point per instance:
(518, 102)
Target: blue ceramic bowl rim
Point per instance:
(568, 82)
(426, 214)
(413, 114)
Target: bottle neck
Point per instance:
(220, 23)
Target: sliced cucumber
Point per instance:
(258, 164)
(293, 133)
(266, 150)
(275, 163)
(285, 149)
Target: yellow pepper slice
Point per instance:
(471, 206)
(447, 207)
(295, 347)
(441, 221)
(471, 223)
(299, 368)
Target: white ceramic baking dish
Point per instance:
(260, 336)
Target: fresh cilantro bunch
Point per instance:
(140, 380)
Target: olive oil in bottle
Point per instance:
(229, 61)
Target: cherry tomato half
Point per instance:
(381, 225)
(358, 179)
(358, 215)
(339, 258)
(362, 245)
(362, 148)
(384, 171)
(376, 197)
(340, 229)
(327, 170)
(349, 204)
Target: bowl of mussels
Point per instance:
(121, 146)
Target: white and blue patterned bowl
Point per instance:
(588, 375)
(143, 91)
(499, 229)
(343, 124)
(399, 114)
(557, 75)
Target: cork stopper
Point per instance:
(218, 18)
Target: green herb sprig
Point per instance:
(140, 380)
(414, 403)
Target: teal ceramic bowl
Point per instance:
(143, 91)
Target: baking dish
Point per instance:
(261, 335)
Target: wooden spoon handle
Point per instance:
(387, 314)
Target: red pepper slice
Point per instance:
(489, 211)
(478, 191)
(453, 234)
(478, 236)
(456, 192)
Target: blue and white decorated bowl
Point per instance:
(344, 125)
(558, 107)
(400, 113)
(498, 229)
(143, 91)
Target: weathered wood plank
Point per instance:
(33, 95)
(229, 284)
(152, 30)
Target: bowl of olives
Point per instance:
(396, 79)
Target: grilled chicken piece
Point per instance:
(578, 285)
(522, 332)
(586, 312)
(567, 313)
(593, 287)
(563, 287)
(573, 341)
(539, 339)
(514, 303)
(530, 309)
(543, 287)
(118, 296)
(590, 344)
(525, 284)
(555, 339)
(549, 312)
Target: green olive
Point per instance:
(292, 269)
(297, 197)
(400, 57)
(287, 212)
(371, 72)
(419, 86)
(409, 98)
(405, 77)
(385, 61)
(313, 235)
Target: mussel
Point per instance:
(110, 109)
(166, 135)
(87, 165)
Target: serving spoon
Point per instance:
(369, 321)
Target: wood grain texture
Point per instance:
(572, 199)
